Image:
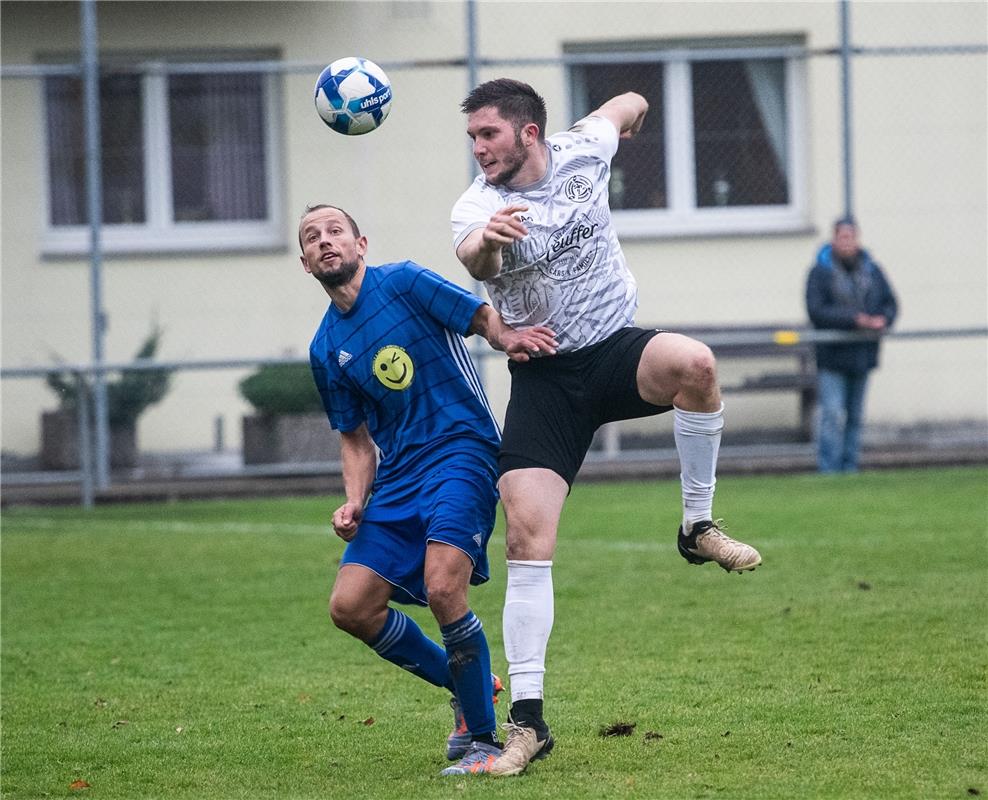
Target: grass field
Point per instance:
(183, 650)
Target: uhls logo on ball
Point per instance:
(376, 100)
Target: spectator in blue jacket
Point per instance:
(845, 290)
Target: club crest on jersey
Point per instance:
(393, 367)
(578, 189)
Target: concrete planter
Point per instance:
(289, 438)
(60, 442)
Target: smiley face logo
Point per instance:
(393, 367)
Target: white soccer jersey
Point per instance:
(569, 272)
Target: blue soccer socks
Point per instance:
(463, 668)
(402, 642)
(469, 661)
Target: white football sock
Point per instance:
(697, 437)
(527, 622)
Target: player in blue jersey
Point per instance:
(394, 375)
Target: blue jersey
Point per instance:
(397, 361)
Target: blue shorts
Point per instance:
(455, 504)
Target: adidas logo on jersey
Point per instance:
(344, 357)
(478, 539)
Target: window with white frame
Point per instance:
(188, 159)
(722, 147)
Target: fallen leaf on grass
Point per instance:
(618, 729)
(368, 722)
(304, 698)
(120, 723)
(864, 586)
(179, 729)
(651, 736)
(80, 784)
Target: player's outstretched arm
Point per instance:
(359, 458)
(520, 345)
(626, 112)
(480, 251)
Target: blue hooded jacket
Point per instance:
(835, 295)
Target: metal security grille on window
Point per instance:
(722, 148)
(123, 150)
(217, 138)
(218, 152)
(638, 170)
(739, 133)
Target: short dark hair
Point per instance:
(517, 102)
(319, 206)
(845, 221)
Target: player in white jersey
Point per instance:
(536, 228)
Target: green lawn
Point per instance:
(183, 650)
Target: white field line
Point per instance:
(163, 526)
(658, 545)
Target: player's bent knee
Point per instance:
(349, 616)
(518, 550)
(699, 368)
(338, 613)
(446, 597)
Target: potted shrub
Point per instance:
(128, 395)
(289, 424)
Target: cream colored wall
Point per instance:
(920, 178)
(220, 306)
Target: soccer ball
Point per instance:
(353, 96)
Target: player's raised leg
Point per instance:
(682, 372)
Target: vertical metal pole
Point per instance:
(479, 349)
(845, 61)
(474, 168)
(85, 440)
(94, 196)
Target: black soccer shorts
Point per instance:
(558, 402)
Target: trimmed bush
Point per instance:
(281, 389)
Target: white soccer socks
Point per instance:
(697, 436)
(527, 621)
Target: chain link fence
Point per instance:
(211, 150)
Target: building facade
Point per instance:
(721, 202)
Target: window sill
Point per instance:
(709, 223)
(188, 238)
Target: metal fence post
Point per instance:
(94, 195)
(845, 63)
(85, 434)
(477, 346)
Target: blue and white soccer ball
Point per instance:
(353, 96)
